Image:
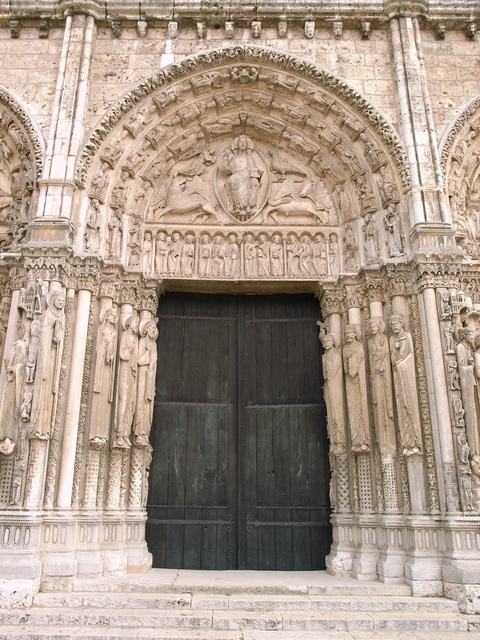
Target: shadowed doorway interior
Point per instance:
(240, 473)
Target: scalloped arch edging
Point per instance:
(34, 136)
(246, 53)
(448, 139)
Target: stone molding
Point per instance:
(376, 10)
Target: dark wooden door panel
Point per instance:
(239, 475)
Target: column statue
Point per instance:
(147, 367)
(333, 377)
(12, 391)
(381, 384)
(126, 381)
(104, 375)
(405, 385)
(356, 389)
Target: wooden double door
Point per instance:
(240, 473)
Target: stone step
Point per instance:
(245, 602)
(238, 582)
(238, 620)
(102, 633)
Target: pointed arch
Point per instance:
(238, 136)
(13, 114)
(256, 55)
(460, 158)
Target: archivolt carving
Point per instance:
(246, 74)
(241, 135)
(461, 163)
(20, 167)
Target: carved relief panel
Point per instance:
(250, 143)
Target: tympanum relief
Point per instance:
(243, 146)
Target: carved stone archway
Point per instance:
(246, 169)
(165, 173)
(460, 152)
(21, 168)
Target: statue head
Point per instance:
(282, 28)
(398, 322)
(351, 333)
(309, 28)
(256, 28)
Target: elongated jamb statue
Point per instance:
(12, 392)
(333, 388)
(48, 363)
(126, 381)
(104, 376)
(405, 379)
(147, 367)
(381, 381)
(356, 389)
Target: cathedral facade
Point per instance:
(181, 183)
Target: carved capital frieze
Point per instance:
(47, 267)
(83, 277)
(438, 274)
(374, 288)
(128, 293)
(399, 280)
(108, 286)
(148, 296)
(354, 296)
(332, 301)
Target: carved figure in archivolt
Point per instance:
(92, 227)
(391, 220)
(381, 385)
(115, 234)
(126, 381)
(356, 389)
(35, 331)
(333, 388)
(48, 361)
(370, 236)
(12, 391)
(147, 367)
(405, 385)
(104, 376)
(350, 248)
(240, 166)
(468, 384)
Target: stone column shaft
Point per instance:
(68, 118)
(67, 461)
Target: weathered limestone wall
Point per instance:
(452, 72)
(121, 62)
(29, 69)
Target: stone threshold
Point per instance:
(237, 582)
